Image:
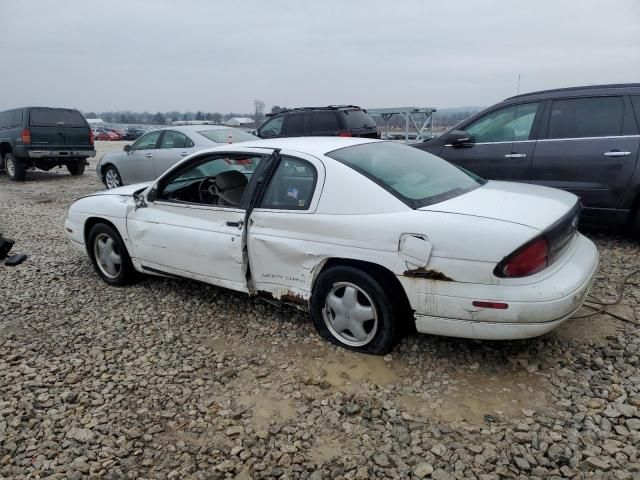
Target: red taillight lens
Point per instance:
(26, 136)
(91, 137)
(345, 134)
(528, 260)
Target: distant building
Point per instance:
(239, 121)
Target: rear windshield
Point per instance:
(358, 119)
(53, 117)
(222, 135)
(414, 176)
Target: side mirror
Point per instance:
(127, 148)
(152, 195)
(459, 138)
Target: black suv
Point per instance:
(335, 120)
(582, 139)
(40, 137)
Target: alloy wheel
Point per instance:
(107, 255)
(350, 314)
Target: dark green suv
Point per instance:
(44, 138)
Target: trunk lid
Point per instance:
(58, 128)
(531, 205)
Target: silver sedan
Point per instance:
(155, 152)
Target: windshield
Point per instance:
(414, 176)
(222, 135)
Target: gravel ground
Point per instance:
(168, 379)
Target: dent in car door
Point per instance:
(504, 144)
(281, 255)
(589, 148)
(194, 241)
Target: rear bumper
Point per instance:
(61, 154)
(533, 309)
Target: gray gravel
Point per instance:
(168, 379)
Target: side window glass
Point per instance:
(292, 185)
(324, 122)
(295, 125)
(219, 181)
(273, 127)
(147, 141)
(586, 117)
(173, 139)
(504, 125)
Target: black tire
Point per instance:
(111, 177)
(16, 170)
(122, 275)
(76, 168)
(371, 293)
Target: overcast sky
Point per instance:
(208, 55)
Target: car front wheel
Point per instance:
(352, 309)
(109, 255)
(112, 177)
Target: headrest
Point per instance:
(230, 179)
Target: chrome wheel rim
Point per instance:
(11, 168)
(111, 178)
(350, 314)
(107, 255)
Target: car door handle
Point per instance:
(184, 154)
(148, 155)
(616, 153)
(515, 155)
(237, 224)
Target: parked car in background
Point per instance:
(107, 135)
(299, 220)
(583, 139)
(133, 133)
(338, 120)
(44, 138)
(156, 151)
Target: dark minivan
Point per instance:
(582, 139)
(334, 120)
(41, 137)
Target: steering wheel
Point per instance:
(207, 190)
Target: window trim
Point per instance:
(535, 125)
(288, 208)
(162, 183)
(547, 114)
(149, 133)
(160, 147)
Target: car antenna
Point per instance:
(515, 115)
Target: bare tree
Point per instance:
(258, 115)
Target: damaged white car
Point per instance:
(371, 237)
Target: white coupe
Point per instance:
(371, 237)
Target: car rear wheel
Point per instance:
(352, 309)
(16, 170)
(76, 168)
(109, 255)
(112, 177)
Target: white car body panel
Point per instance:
(443, 255)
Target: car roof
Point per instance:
(317, 146)
(310, 109)
(620, 88)
(198, 128)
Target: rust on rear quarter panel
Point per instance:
(429, 274)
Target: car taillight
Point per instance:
(91, 137)
(345, 134)
(25, 135)
(527, 260)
